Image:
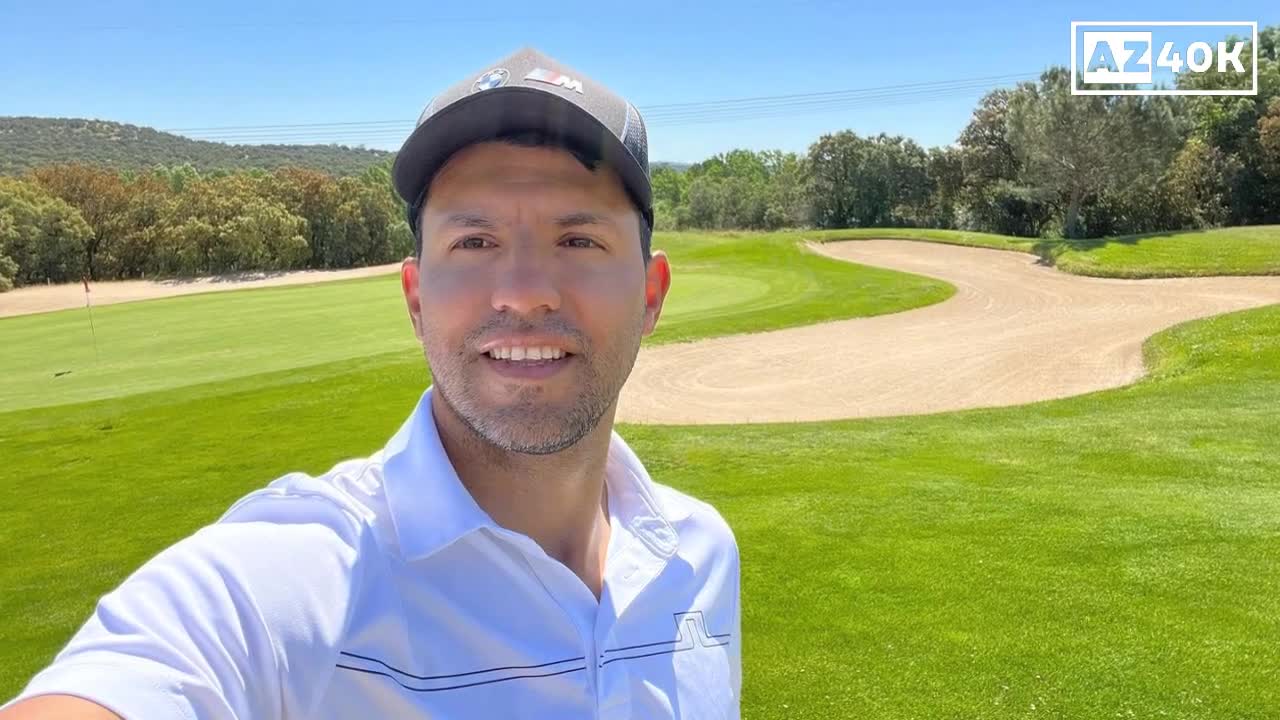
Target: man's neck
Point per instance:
(557, 500)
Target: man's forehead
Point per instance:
(485, 220)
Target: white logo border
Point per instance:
(1118, 24)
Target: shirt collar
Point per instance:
(431, 508)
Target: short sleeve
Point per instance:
(736, 644)
(240, 620)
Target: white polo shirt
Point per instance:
(381, 590)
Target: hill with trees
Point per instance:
(29, 142)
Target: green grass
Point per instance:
(946, 237)
(1253, 250)
(1228, 251)
(1111, 555)
(720, 285)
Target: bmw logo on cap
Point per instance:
(496, 77)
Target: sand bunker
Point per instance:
(1015, 332)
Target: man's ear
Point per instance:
(657, 281)
(409, 274)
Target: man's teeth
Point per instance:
(526, 353)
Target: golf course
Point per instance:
(1105, 543)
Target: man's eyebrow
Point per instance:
(581, 218)
(470, 220)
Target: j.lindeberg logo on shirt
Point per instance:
(692, 635)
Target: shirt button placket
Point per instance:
(612, 692)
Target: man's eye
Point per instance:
(474, 242)
(579, 241)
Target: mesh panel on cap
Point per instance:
(634, 137)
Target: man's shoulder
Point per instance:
(695, 520)
(348, 498)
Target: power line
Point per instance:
(661, 115)
(368, 135)
(344, 23)
(653, 110)
(820, 103)
(831, 93)
(299, 125)
(667, 115)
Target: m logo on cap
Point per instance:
(555, 78)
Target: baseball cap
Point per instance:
(526, 91)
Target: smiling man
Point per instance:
(506, 554)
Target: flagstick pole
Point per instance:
(93, 331)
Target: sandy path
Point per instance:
(43, 298)
(1015, 332)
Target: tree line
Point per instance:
(1034, 160)
(63, 222)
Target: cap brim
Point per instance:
(489, 113)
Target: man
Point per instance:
(505, 555)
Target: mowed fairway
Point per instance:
(1110, 555)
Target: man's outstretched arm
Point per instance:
(61, 707)
(207, 628)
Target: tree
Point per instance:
(101, 197)
(786, 200)
(313, 196)
(8, 235)
(223, 224)
(1076, 146)
(150, 198)
(866, 182)
(945, 172)
(985, 151)
(670, 185)
(670, 193)
(738, 189)
(1198, 185)
(1235, 125)
(41, 237)
(991, 196)
(1269, 140)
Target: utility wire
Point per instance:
(672, 120)
(666, 115)
(659, 115)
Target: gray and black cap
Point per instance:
(526, 91)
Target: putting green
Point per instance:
(160, 344)
(695, 293)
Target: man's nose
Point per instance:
(526, 282)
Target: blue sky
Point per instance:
(180, 65)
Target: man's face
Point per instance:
(525, 248)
